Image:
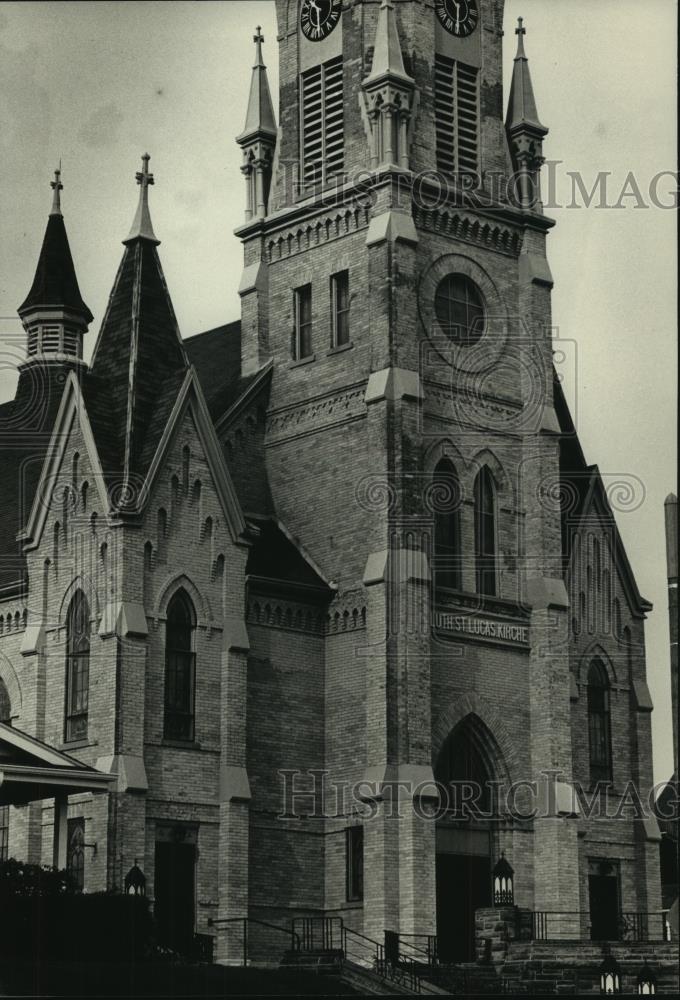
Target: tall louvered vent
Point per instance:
(322, 122)
(456, 95)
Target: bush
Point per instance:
(42, 915)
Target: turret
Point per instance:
(389, 93)
(258, 139)
(524, 130)
(53, 313)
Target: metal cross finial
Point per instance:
(258, 38)
(520, 29)
(143, 176)
(56, 186)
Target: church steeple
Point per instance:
(258, 139)
(139, 359)
(53, 313)
(389, 94)
(524, 129)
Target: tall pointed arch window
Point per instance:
(77, 667)
(5, 704)
(599, 725)
(446, 503)
(485, 532)
(180, 673)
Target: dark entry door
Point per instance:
(175, 891)
(463, 886)
(604, 907)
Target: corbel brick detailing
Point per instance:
(448, 222)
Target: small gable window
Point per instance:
(77, 667)
(599, 728)
(179, 669)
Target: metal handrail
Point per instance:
(294, 938)
(631, 925)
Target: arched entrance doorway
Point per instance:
(464, 847)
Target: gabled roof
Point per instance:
(31, 769)
(55, 285)
(584, 493)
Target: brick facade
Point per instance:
(353, 678)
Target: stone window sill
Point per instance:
(181, 744)
(339, 349)
(68, 745)
(303, 361)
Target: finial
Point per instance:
(56, 186)
(520, 31)
(258, 38)
(141, 226)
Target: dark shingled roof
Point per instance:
(138, 364)
(274, 558)
(55, 283)
(216, 356)
(26, 424)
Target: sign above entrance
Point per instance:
(454, 623)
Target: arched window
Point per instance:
(77, 667)
(179, 668)
(463, 770)
(599, 733)
(485, 532)
(75, 858)
(5, 704)
(446, 501)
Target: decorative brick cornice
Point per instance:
(293, 616)
(454, 223)
(323, 411)
(329, 226)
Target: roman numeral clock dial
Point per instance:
(319, 17)
(459, 17)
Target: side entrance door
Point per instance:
(175, 891)
(604, 907)
(463, 886)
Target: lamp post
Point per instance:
(503, 889)
(646, 981)
(135, 881)
(610, 976)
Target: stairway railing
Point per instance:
(290, 933)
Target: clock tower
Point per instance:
(396, 294)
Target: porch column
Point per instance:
(59, 843)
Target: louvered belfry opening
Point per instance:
(322, 123)
(456, 91)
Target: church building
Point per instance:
(276, 599)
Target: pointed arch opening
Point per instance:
(447, 536)
(5, 704)
(485, 532)
(180, 668)
(77, 668)
(599, 723)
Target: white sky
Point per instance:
(97, 84)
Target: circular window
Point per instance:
(459, 307)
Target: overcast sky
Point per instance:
(97, 84)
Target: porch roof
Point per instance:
(31, 769)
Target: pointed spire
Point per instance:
(56, 186)
(387, 55)
(141, 225)
(260, 115)
(139, 360)
(55, 285)
(522, 104)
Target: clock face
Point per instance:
(319, 17)
(459, 17)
